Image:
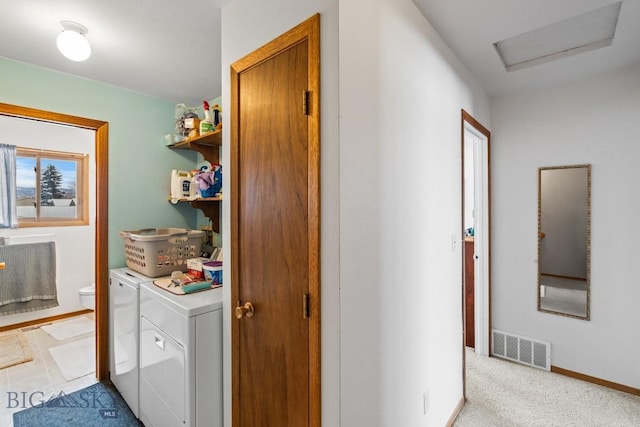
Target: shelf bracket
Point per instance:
(211, 210)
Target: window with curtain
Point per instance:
(8, 212)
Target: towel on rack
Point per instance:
(28, 281)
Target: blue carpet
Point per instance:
(99, 405)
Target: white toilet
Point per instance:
(88, 296)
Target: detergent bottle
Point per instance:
(206, 125)
(180, 185)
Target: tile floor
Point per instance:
(40, 378)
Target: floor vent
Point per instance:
(521, 349)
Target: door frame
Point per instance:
(101, 131)
(482, 294)
(308, 30)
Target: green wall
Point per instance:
(139, 163)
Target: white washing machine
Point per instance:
(124, 333)
(180, 358)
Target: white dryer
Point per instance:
(180, 358)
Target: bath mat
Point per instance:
(69, 328)
(14, 349)
(75, 359)
(97, 405)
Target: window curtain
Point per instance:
(8, 196)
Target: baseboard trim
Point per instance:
(43, 320)
(595, 380)
(456, 412)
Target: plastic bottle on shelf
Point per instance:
(206, 125)
(217, 116)
(194, 189)
(180, 185)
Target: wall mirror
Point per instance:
(564, 240)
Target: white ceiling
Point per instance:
(165, 48)
(171, 48)
(470, 27)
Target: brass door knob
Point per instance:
(245, 310)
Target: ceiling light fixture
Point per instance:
(71, 41)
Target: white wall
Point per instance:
(592, 122)
(247, 25)
(391, 282)
(75, 245)
(401, 92)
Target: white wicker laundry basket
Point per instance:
(157, 252)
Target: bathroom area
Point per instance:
(52, 254)
(38, 365)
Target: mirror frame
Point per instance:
(588, 248)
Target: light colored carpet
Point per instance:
(506, 394)
(75, 359)
(70, 328)
(14, 349)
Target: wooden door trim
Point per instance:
(308, 30)
(101, 225)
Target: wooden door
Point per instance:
(275, 229)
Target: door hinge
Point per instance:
(305, 306)
(305, 102)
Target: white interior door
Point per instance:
(478, 138)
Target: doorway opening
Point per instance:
(476, 226)
(101, 274)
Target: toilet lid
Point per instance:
(87, 290)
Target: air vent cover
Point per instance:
(521, 349)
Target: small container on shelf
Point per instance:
(213, 272)
(194, 267)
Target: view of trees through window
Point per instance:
(48, 185)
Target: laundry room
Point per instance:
(63, 319)
(86, 244)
